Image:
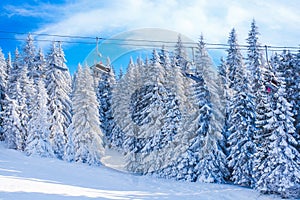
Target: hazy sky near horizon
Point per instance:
(278, 21)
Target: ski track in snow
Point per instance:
(23, 177)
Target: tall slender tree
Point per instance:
(86, 133)
(279, 164)
(104, 96)
(58, 85)
(39, 64)
(29, 54)
(254, 59)
(180, 54)
(286, 65)
(147, 105)
(234, 58)
(241, 126)
(38, 141)
(127, 120)
(3, 83)
(225, 100)
(12, 127)
(16, 103)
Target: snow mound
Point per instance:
(23, 177)
(114, 159)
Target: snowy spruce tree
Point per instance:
(39, 64)
(3, 83)
(204, 65)
(180, 54)
(296, 64)
(203, 132)
(15, 102)
(241, 121)
(29, 55)
(38, 141)
(125, 100)
(146, 107)
(12, 127)
(27, 95)
(225, 100)
(195, 132)
(254, 59)
(264, 113)
(104, 96)
(58, 85)
(181, 63)
(279, 162)
(285, 63)
(194, 152)
(212, 163)
(86, 133)
(172, 109)
(233, 60)
(176, 83)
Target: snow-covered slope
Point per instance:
(23, 177)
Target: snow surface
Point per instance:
(23, 177)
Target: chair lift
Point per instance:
(272, 85)
(100, 66)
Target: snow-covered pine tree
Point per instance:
(162, 144)
(152, 110)
(181, 63)
(147, 116)
(180, 55)
(196, 163)
(14, 74)
(296, 64)
(224, 99)
(212, 163)
(39, 65)
(264, 114)
(125, 94)
(104, 96)
(121, 73)
(26, 100)
(38, 141)
(172, 120)
(12, 128)
(285, 63)
(195, 132)
(8, 66)
(85, 126)
(194, 152)
(241, 125)
(279, 166)
(120, 99)
(176, 83)
(58, 85)
(16, 103)
(10, 89)
(254, 59)
(204, 65)
(29, 55)
(69, 147)
(234, 59)
(3, 83)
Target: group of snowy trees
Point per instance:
(40, 114)
(171, 118)
(189, 121)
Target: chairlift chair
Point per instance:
(99, 65)
(272, 86)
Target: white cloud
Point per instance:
(214, 18)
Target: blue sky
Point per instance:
(278, 21)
